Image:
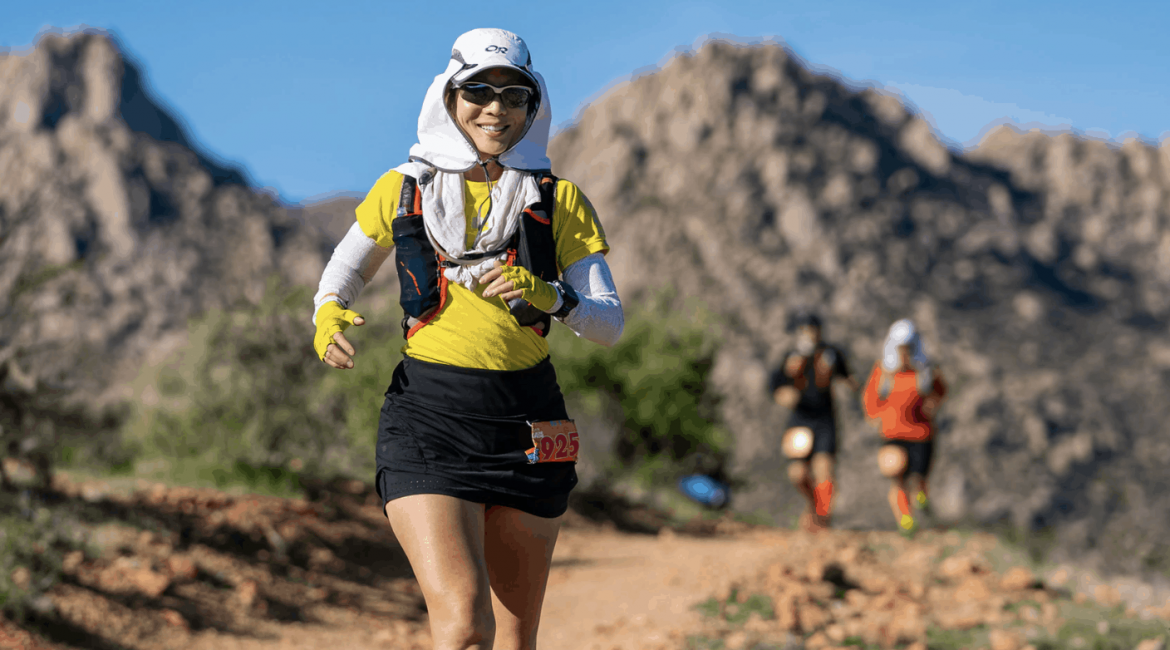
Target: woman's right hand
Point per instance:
(329, 342)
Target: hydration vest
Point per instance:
(823, 361)
(422, 284)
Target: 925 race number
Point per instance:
(555, 441)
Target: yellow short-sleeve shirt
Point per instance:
(471, 331)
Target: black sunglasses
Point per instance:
(482, 94)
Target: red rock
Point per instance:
(815, 571)
(1158, 643)
(1018, 578)
(847, 555)
(175, 619)
(72, 561)
(856, 598)
(1005, 640)
(907, 626)
(736, 640)
(150, 583)
(1106, 595)
(817, 641)
(963, 616)
(812, 617)
(973, 589)
(182, 567)
(1058, 579)
(956, 567)
(247, 592)
(786, 616)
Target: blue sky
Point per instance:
(315, 97)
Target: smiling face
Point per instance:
(906, 356)
(492, 128)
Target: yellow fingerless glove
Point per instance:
(331, 318)
(539, 293)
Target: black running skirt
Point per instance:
(824, 430)
(918, 455)
(463, 432)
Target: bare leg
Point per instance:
(916, 489)
(800, 476)
(519, 549)
(443, 538)
(899, 504)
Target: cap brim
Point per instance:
(463, 75)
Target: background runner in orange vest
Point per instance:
(804, 385)
(903, 393)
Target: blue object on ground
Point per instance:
(705, 490)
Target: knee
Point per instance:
(822, 467)
(798, 472)
(463, 624)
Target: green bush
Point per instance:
(247, 400)
(658, 372)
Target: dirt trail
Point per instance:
(610, 588)
(179, 568)
(200, 570)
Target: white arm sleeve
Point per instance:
(598, 316)
(354, 263)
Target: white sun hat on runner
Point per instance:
(440, 142)
(904, 332)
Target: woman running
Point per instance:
(903, 393)
(476, 454)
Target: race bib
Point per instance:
(554, 442)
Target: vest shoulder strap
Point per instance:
(422, 286)
(536, 250)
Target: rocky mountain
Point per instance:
(113, 230)
(1037, 268)
(332, 216)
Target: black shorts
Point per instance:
(918, 455)
(463, 432)
(824, 430)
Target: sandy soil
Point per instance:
(180, 568)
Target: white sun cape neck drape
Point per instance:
(438, 160)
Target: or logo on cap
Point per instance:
(496, 48)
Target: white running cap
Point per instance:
(903, 332)
(485, 48)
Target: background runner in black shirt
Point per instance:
(803, 383)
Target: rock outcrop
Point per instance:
(113, 230)
(1036, 268)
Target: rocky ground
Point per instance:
(170, 567)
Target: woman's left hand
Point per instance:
(511, 282)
